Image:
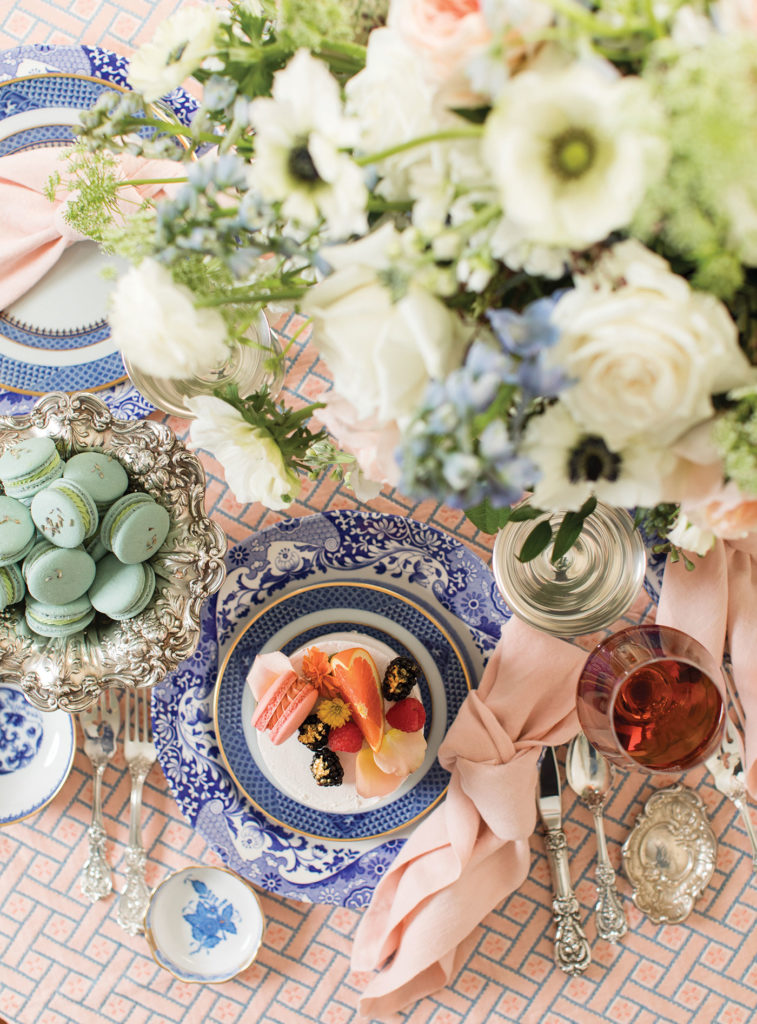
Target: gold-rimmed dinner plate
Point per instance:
(298, 619)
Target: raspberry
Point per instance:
(346, 737)
(407, 715)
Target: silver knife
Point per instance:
(572, 953)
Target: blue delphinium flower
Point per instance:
(458, 448)
(526, 337)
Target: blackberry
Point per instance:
(313, 733)
(400, 677)
(327, 768)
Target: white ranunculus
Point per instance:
(178, 48)
(575, 463)
(393, 103)
(572, 151)
(156, 325)
(684, 534)
(645, 351)
(253, 465)
(381, 354)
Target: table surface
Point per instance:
(64, 960)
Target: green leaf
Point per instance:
(524, 512)
(537, 540)
(570, 529)
(487, 518)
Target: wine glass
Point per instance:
(585, 590)
(652, 697)
(247, 366)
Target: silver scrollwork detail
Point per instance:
(572, 953)
(610, 915)
(135, 896)
(70, 674)
(96, 880)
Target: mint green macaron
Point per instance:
(65, 514)
(122, 590)
(57, 575)
(17, 530)
(58, 619)
(12, 587)
(102, 477)
(134, 527)
(29, 466)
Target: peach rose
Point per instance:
(729, 515)
(446, 32)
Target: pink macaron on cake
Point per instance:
(284, 699)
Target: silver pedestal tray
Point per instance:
(69, 673)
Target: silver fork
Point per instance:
(139, 751)
(99, 725)
(727, 769)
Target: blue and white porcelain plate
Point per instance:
(204, 924)
(413, 560)
(300, 619)
(36, 753)
(56, 337)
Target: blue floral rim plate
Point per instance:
(412, 559)
(56, 337)
(36, 753)
(301, 618)
(204, 924)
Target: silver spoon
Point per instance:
(590, 777)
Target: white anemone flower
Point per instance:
(575, 464)
(300, 135)
(253, 464)
(180, 44)
(572, 152)
(157, 326)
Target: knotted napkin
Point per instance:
(33, 230)
(473, 849)
(717, 602)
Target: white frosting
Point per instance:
(289, 762)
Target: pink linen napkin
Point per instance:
(715, 601)
(473, 849)
(33, 231)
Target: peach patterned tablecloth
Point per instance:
(63, 960)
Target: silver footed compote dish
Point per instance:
(69, 673)
(581, 591)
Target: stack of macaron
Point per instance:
(72, 540)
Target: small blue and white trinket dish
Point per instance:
(204, 924)
(36, 753)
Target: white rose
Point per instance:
(645, 351)
(684, 534)
(156, 325)
(381, 354)
(253, 465)
(178, 48)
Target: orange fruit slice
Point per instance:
(357, 678)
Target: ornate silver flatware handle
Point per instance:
(572, 953)
(135, 896)
(610, 915)
(96, 880)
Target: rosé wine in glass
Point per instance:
(652, 697)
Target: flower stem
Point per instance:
(243, 295)
(472, 132)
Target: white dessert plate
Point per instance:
(36, 753)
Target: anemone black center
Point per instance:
(592, 460)
(301, 165)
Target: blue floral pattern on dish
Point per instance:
(21, 731)
(412, 558)
(34, 77)
(210, 918)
